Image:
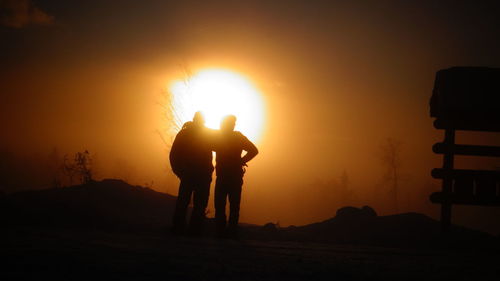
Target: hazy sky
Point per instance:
(338, 78)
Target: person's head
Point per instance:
(228, 123)
(198, 119)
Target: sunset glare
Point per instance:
(217, 93)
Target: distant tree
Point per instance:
(391, 159)
(80, 168)
(83, 163)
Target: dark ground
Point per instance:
(110, 230)
(70, 254)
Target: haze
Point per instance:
(338, 78)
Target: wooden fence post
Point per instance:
(449, 140)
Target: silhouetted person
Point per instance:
(191, 161)
(230, 169)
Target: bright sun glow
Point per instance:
(217, 93)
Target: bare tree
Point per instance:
(80, 168)
(391, 159)
(83, 163)
(172, 116)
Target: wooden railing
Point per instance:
(461, 186)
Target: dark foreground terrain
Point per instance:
(55, 254)
(110, 230)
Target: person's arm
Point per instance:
(251, 150)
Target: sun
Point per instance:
(217, 93)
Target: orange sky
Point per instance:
(338, 79)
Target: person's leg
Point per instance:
(220, 206)
(181, 205)
(200, 202)
(234, 206)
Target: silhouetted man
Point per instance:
(191, 161)
(230, 169)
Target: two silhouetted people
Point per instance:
(191, 161)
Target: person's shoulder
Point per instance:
(183, 132)
(239, 135)
(187, 125)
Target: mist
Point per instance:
(338, 81)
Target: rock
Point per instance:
(354, 213)
(369, 211)
(270, 227)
